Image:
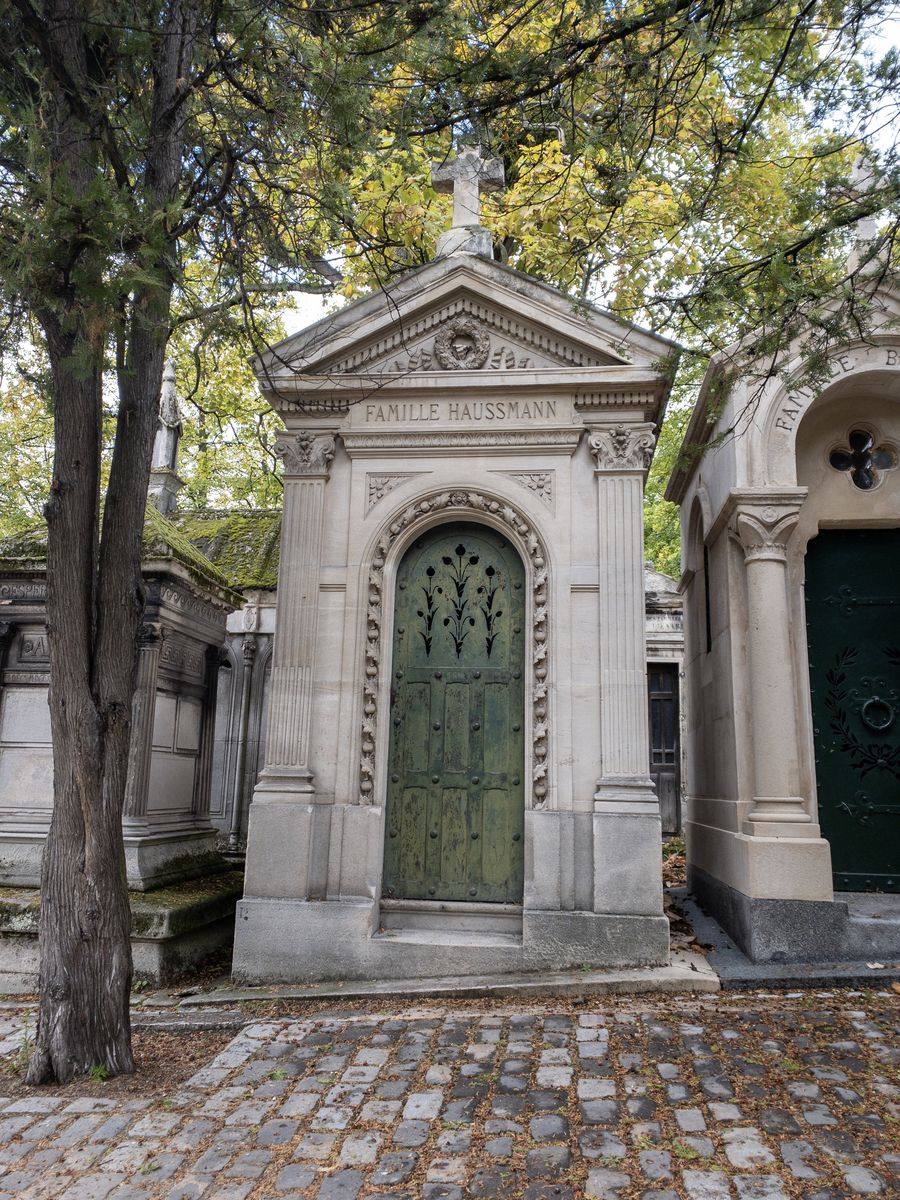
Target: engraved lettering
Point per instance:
(890, 357)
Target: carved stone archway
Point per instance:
(471, 504)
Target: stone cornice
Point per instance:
(593, 388)
(399, 443)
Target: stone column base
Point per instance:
(628, 857)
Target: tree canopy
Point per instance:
(687, 166)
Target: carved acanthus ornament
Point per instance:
(538, 482)
(764, 530)
(306, 453)
(379, 486)
(475, 504)
(623, 447)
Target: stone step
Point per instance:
(430, 914)
(450, 936)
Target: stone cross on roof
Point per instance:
(467, 176)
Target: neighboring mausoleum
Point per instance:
(791, 550)
(456, 772)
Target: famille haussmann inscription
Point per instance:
(463, 411)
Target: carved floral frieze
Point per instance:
(471, 503)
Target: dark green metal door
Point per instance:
(456, 772)
(853, 624)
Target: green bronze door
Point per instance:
(853, 623)
(455, 799)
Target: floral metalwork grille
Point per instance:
(863, 460)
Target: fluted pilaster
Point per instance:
(622, 454)
(307, 459)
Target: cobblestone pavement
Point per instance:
(738, 1097)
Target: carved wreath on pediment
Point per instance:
(473, 503)
(462, 345)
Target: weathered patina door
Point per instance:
(455, 799)
(853, 623)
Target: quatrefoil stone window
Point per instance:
(863, 459)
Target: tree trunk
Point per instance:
(85, 972)
(95, 596)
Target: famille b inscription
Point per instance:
(460, 411)
(841, 364)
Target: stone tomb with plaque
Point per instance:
(456, 777)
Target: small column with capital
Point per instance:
(307, 461)
(627, 827)
(763, 523)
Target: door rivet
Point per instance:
(476, 674)
(437, 725)
(395, 778)
(439, 674)
(476, 779)
(433, 833)
(515, 779)
(516, 837)
(474, 837)
(516, 674)
(516, 728)
(476, 726)
(431, 891)
(435, 779)
(401, 629)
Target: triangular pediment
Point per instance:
(461, 313)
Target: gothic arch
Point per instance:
(397, 533)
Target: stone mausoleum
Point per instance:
(791, 550)
(456, 774)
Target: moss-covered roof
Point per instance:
(27, 550)
(243, 543)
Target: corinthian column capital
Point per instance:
(306, 453)
(623, 447)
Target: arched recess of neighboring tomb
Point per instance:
(697, 563)
(847, 561)
(397, 533)
(454, 816)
